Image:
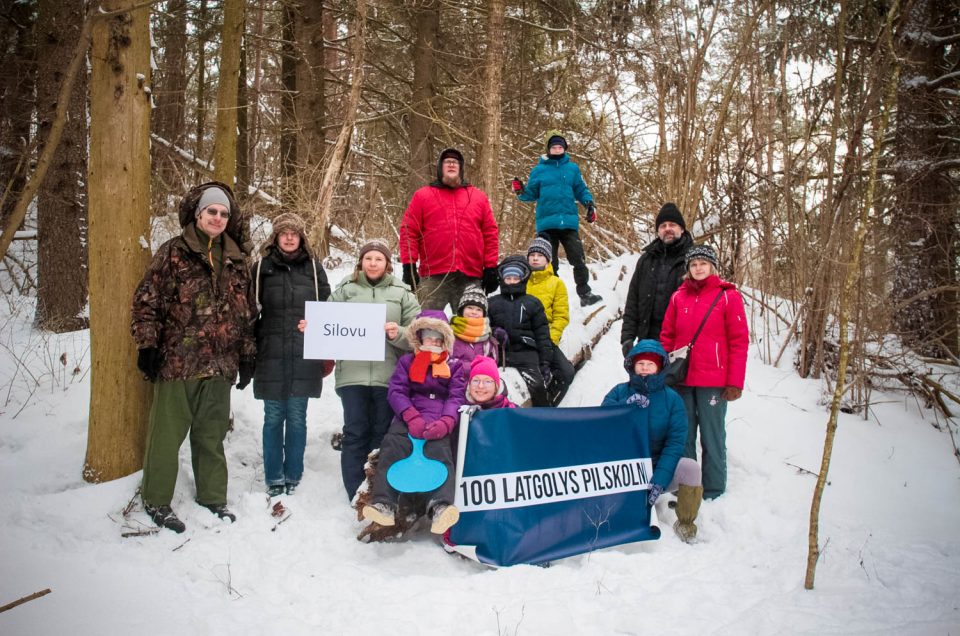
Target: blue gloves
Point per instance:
(655, 491)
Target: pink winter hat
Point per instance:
(482, 365)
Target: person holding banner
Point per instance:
(717, 361)
(285, 278)
(426, 391)
(362, 384)
(667, 430)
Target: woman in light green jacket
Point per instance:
(361, 384)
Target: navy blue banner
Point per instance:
(540, 484)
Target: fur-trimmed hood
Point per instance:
(430, 319)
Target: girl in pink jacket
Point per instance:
(717, 360)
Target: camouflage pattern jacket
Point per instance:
(201, 324)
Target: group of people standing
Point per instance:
(202, 317)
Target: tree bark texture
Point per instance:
(309, 104)
(425, 23)
(170, 99)
(489, 180)
(225, 140)
(16, 100)
(61, 202)
(925, 214)
(119, 196)
(289, 152)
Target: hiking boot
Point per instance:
(380, 513)
(443, 517)
(164, 517)
(275, 491)
(221, 511)
(291, 488)
(589, 298)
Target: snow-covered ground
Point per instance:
(889, 527)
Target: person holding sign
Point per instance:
(285, 278)
(426, 391)
(717, 360)
(362, 384)
(667, 426)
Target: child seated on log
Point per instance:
(667, 426)
(471, 328)
(552, 293)
(425, 392)
(521, 315)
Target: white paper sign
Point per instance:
(345, 331)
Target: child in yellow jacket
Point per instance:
(552, 293)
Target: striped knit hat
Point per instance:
(540, 245)
(701, 252)
(472, 295)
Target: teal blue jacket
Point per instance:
(556, 185)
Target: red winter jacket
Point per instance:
(719, 356)
(449, 230)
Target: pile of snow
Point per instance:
(891, 560)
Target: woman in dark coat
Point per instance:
(285, 278)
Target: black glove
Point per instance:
(148, 361)
(410, 276)
(626, 346)
(591, 212)
(516, 185)
(490, 280)
(547, 374)
(247, 367)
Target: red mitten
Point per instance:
(328, 366)
(416, 425)
(517, 185)
(438, 429)
(731, 393)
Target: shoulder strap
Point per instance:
(316, 281)
(700, 328)
(256, 284)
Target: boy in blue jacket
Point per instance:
(556, 185)
(667, 425)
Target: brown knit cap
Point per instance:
(379, 246)
(288, 222)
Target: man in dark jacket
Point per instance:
(529, 348)
(658, 274)
(285, 278)
(192, 320)
(448, 236)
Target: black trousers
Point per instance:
(570, 239)
(563, 373)
(366, 416)
(528, 364)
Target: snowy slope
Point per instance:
(889, 521)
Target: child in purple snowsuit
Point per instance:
(426, 390)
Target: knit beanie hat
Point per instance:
(210, 196)
(482, 365)
(655, 358)
(701, 252)
(472, 295)
(512, 269)
(554, 139)
(288, 222)
(376, 245)
(540, 245)
(670, 212)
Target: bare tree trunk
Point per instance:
(170, 98)
(310, 104)
(341, 148)
(119, 179)
(61, 202)
(425, 22)
(289, 152)
(16, 101)
(243, 127)
(925, 213)
(489, 180)
(225, 140)
(201, 123)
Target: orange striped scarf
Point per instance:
(471, 329)
(437, 362)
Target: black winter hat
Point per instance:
(472, 295)
(540, 245)
(556, 139)
(701, 252)
(670, 212)
(449, 153)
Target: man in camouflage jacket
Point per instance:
(192, 320)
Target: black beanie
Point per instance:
(670, 212)
(556, 139)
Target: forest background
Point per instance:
(815, 144)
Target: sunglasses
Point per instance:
(224, 214)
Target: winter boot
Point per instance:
(221, 511)
(380, 513)
(275, 491)
(291, 487)
(589, 298)
(443, 517)
(164, 517)
(688, 505)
